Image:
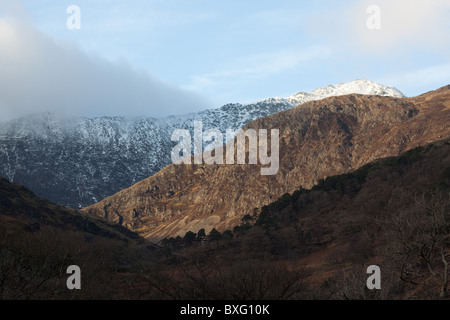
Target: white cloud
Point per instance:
(257, 66)
(40, 74)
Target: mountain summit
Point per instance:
(79, 161)
(362, 86)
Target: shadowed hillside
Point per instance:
(394, 213)
(40, 240)
(311, 244)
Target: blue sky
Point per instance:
(209, 53)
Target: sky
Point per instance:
(162, 57)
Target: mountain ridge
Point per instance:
(317, 139)
(77, 162)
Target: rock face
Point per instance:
(77, 162)
(317, 139)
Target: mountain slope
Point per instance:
(317, 139)
(77, 162)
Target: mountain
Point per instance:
(312, 244)
(77, 162)
(359, 87)
(318, 139)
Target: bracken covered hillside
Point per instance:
(317, 139)
(318, 243)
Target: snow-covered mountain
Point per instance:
(362, 86)
(235, 116)
(79, 161)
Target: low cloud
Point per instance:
(40, 74)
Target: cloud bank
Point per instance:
(40, 74)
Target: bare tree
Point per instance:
(421, 243)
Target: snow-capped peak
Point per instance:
(361, 86)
